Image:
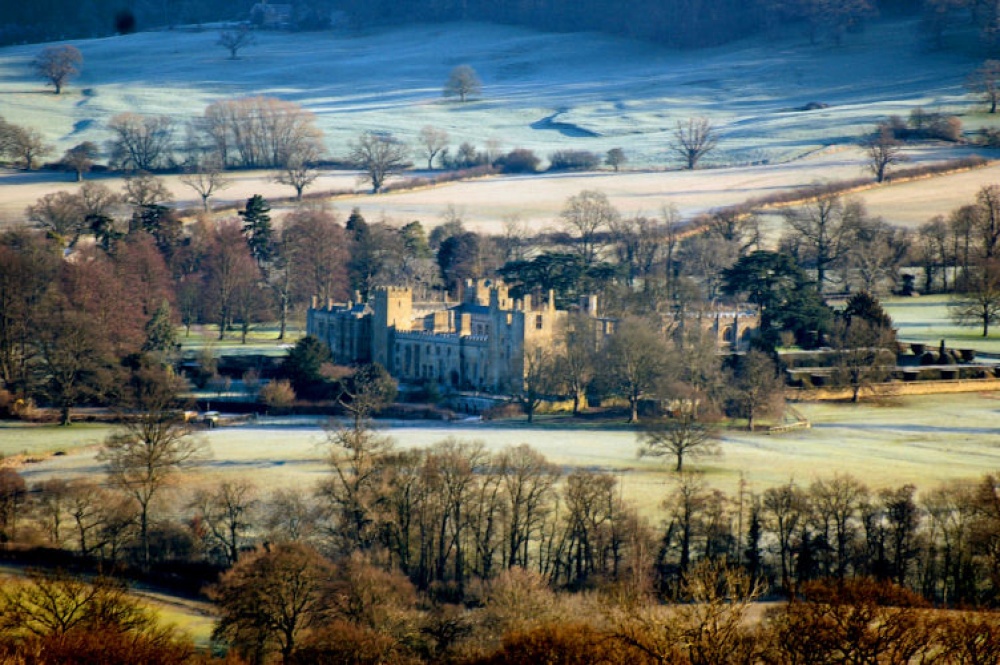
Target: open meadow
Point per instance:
(544, 92)
(923, 440)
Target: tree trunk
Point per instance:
(144, 535)
(64, 417)
(283, 318)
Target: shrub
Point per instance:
(464, 158)
(945, 129)
(573, 160)
(566, 643)
(277, 394)
(927, 125)
(519, 160)
(991, 138)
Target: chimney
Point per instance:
(552, 299)
(315, 302)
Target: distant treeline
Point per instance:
(683, 23)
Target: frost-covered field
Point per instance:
(926, 319)
(541, 91)
(921, 440)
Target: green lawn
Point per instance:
(262, 340)
(925, 319)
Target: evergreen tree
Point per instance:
(257, 229)
(160, 334)
(303, 365)
(864, 305)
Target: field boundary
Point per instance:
(896, 388)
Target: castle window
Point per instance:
(538, 322)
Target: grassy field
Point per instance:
(543, 92)
(193, 618)
(19, 439)
(925, 319)
(262, 340)
(922, 440)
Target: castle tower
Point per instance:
(392, 311)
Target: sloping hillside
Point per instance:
(541, 91)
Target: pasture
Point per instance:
(544, 92)
(923, 440)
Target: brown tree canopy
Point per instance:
(58, 64)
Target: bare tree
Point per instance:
(615, 158)
(836, 512)
(587, 214)
(206, 178)
(540, 378)
(680, 435)
(693, 139)
(433, 141)
(883, 150)
(236, 39)
(987, 220)
(825, 226)
(80, 158)
(577, 362)
(26, 145)
(758, 387)
(225, 514)
(380, 155)
(980, 304)
(784, 507)
(145, 189)
(863, 361)
(984, 81)
(635, 361)
(151, 443)
(141, 143)
(315, 247)
(877, 253)
(356, 458)
(258, 132)
(58, 64)
(462, 82)
(297, 173)
(59, 213)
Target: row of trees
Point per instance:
(676, 23)
(239, 272)
(456, 524)
(454, 514)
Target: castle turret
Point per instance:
(393, 311)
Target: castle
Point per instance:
(477, 344)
